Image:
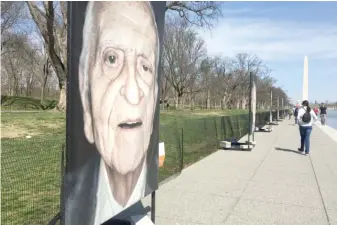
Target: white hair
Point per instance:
(90, 40)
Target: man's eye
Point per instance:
(145, 68)
(112, 59)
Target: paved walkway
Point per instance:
(273, 184)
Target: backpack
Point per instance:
(296, 112)
(306, 118)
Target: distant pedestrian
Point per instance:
(290, 113)
(296, 113)
(316, 110)
(306, 117)
(323, 113)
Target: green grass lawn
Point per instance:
(31, 166)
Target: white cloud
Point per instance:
(273, 40)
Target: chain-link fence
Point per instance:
(171, 135)
(262, 118)
(31, 166)
(193, 139)
(30, 178)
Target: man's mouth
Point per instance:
(130, 124)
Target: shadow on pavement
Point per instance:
(288, 150)
(123, 218)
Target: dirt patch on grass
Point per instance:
(14, 131)
(23, 124)
(208, 113)
(53, 125)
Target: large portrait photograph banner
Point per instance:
(114, 51)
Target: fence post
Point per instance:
(232, 126)
(238, 123)
(182, 150)
(63, 171)
(224, 128)
(221, 129)
(216, 133)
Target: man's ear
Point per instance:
(87, 119)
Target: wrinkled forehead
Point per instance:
(121, 19)
(133, 10)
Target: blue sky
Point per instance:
(281, 34)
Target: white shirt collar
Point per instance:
(106, 206)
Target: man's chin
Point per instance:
(125, 170)
(129, 166)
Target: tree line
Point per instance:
(34, 58)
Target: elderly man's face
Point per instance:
(123, 84)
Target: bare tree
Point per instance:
(263, 84)
(54, 33)
(183, 50)
(41, 68)
(15, 62)
(225, 79)
(189, 74)
(244, 64)
(11, 14)
(23, 64)
(165, 86)
(46, 70)
(201, 14)
(206, 68)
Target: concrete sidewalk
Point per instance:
(272, 184)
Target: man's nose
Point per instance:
(131, 90)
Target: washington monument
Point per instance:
(305, 80)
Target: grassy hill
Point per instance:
(25, 103)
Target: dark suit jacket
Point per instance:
(81, 201)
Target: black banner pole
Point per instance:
(64, 161)
(153, 207)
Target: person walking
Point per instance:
(316, 110)
(296, 113)
(306, 117)
(323, 113)
(290, 113)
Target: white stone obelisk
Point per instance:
(305, 89)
